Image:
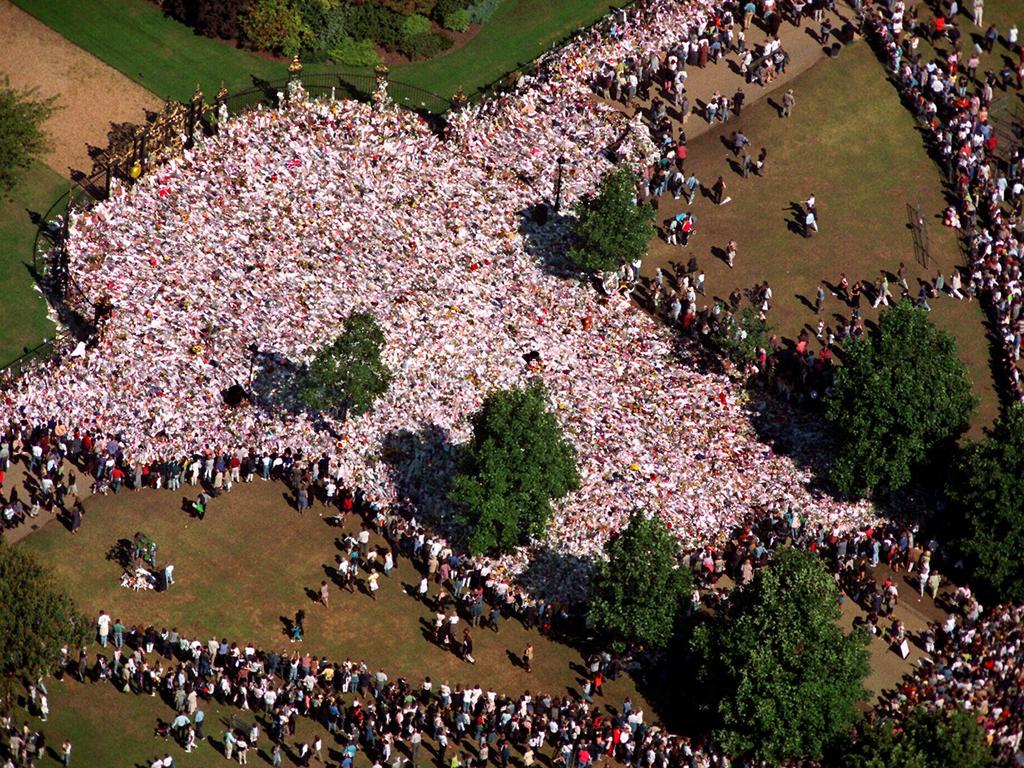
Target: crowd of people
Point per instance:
(952, 99)
(233, 263)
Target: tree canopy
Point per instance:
(786, 677)
(923, 740)
(639, 588)
(986, 494)
(36, 620)
(612, 229)
(900, 397)
(516, 463)
(22, 138)
(348, 373)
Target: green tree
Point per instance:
(738, 336)
(639, 588)
(612, 229)
(787, 678)
(22, 139)
(901, 397)
(516, 463)
(348, 373)
(36, 620)
(924, 740)
(986, 495)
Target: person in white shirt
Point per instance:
(103, 627)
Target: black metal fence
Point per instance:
(343, 84)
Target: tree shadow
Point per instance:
(121, 553)
(553, 574)
(421, 465)
(547, 236)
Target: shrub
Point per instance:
(375, 22)
(354, 53)
(426, 45)
(415, 25)
(274, 25)
(329, 29)
(213, 18)
(457, 21)
(481, 11)
(443, 8)
(409, 7)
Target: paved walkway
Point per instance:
(90, 94)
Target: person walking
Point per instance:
(528, 657)
(978, 9)
(324, 594)
(730, 253)
(718, 191)
(819, 302)
(788, 102)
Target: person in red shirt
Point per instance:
(116, 479)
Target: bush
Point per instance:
(457, 21)
(326, 25)
(481, 11)
(425, 46)
(445, 7)
(354, 53)
(21, 134)
(274, 25)
(375, 22)
(415, 25)
(213, 18)
(409, 7)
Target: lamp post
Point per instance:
(253, 351)
(558, 184)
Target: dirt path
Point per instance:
(91, 94)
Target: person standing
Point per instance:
(65, 753)
(103, 627)
(414, 748)
(737, 101)
(730, 253)
(819, 302)
(978, 7)
(324, 594)
(229, 743)
(528, 657)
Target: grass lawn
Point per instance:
(857, 149)
(519, 32)
(134, 37)
(23, 321)
(252, 562)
